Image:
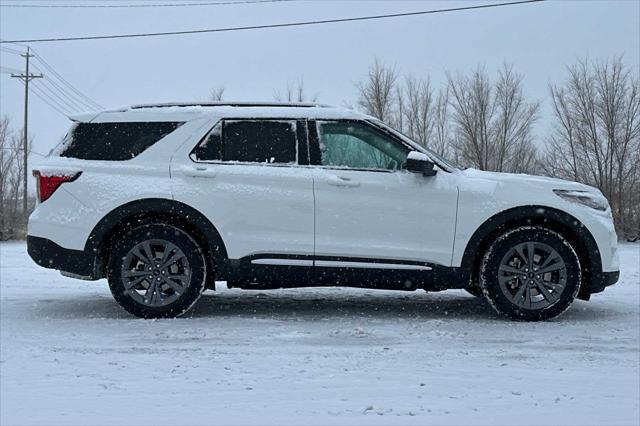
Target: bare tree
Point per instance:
(441, 140)
(217, 94)
(424, 115)
(11, 180)
(596, 134)
(514, 124)
(295, 93)
(493, 122)
(7, 161)
(410, 105)
(473, 112)
(378, 93)
(417, 110)
(561, 157)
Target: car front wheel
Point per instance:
(530, 273)
(157, 271)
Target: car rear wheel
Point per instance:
(157, 271)
(530, 273)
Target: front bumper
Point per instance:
(46, 253)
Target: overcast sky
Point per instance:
(539, 39)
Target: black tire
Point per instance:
(181, 293)
(512, 293)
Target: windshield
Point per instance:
(438, 159)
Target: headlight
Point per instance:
(589, 199)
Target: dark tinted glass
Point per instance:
(251, 141)
(211, 146)
(259, 141)
(115, 141)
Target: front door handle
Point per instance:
(342, 181)
(198, 171)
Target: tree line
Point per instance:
(489, 124)
(12, 218)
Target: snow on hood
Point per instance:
(525, 179)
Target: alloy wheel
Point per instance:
(155, 272)
(532, 275)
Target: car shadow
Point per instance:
(329, 304)
(310, 304)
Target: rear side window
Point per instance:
(114, 141)
(249, 141)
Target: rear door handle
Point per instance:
(198, 171)
(342, 181)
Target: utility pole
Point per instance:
(26, 78)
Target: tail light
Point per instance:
(47, 183)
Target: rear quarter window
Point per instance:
(114, 141)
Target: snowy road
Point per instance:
(70, 355)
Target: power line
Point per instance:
(85, 99)
(76, 102)
(62, 100)
(9, 50)
(54, 92)
(44, 98)
(290, 24)
(101, 6)
(51, 102)
(7, 70)
(19, 44)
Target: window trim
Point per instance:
(299, 144)
(314, 144)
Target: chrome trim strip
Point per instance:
(282, 262)
(338, 264)
(370, 265)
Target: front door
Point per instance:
(368, 209)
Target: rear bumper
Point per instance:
(50, 255)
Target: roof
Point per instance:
(185, 111)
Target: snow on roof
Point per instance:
(184, 111)
(233, 104)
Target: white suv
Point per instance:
(164, 200)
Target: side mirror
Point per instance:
(418, 162)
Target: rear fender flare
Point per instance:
(144, 210)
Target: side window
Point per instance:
(356, 145)
(249, 141)
(210, 148)
(114, 141)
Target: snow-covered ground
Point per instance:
(70, 355)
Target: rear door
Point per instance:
(246, 177)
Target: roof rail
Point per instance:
(231, 104)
